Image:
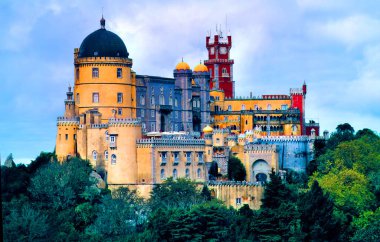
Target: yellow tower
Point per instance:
(100, 117)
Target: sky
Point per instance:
(334, 46)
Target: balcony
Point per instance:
(165, 108)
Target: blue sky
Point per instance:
(333, 45)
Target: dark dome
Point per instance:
(103, 43)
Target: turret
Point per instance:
(69, 104)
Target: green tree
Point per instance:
(205, 193)
(317, 218)
(179, 193)
(236, 170)
(278, 218)
(368, 227)
(26, 224)
(118, 215)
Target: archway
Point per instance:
(260, 171)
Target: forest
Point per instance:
(337, 199)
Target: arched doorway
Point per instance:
(260, 171)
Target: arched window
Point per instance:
(162, 100)
(294, 128)
(199, 173)
(243, 107)
(94, 155)
(175, 102)
(106, 155)
(113, 159)
(107, 136)
(175, 174)
(229, 108)
(152, 100)
(142, 100)
(170, 100)
(162, 174)
(187, 173)
(269, 107)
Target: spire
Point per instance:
(102, 23)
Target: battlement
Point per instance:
(296, 91)
(64, 121)
(99, 126)
(162, 142)
(222, 131)
(123, 122)
(302, 138)
(232, 183)
(260, 148)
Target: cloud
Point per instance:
(351, 31)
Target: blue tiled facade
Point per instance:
(181, 103)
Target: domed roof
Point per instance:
(207, 129)
(182, 66)
(200, 68)
(103, 43)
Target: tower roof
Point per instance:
(182, 66)
(200, 68)
(103, 43)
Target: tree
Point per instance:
(179, 193)
(344, 132)
(26, 224)
(236, 170)
(317, 218)
(118, 215)
(205, 193)
(368, 227)
(278, 216)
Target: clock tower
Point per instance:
(219, 64)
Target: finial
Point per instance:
(200, 61)
(182, 59)
(102, 22)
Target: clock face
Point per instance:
(212, 50)
(223, 50)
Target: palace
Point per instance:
(137, 130)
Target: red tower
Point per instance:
(219, 64)
(298, 96)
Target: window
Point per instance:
(94, 155)
(142, 113)
(188, 157)
(78, 98)
(243, 107)
(107, 136)
(76, 73)
(217, 98)
(66, 136)
(175, 174)
(152, 113)
(119, 73)
(143, 126)
(284, 107)
(200, 157)
(152, 127)
(75, 137)
(106, 155)
(113, 141)
(59, 136)
(142, 100)
(176, 127)
(113, 159)
(120, 111)
(170, 100)
(152, 100)
(175, 102)
(187, 173)
(162, 100)
(162, 174)
(163, 157)
(176, 114)
(119, 97)
(238, 200)
(95, 72)
(269, 107)
(176, 157)
(95, 97)
(199, 173)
